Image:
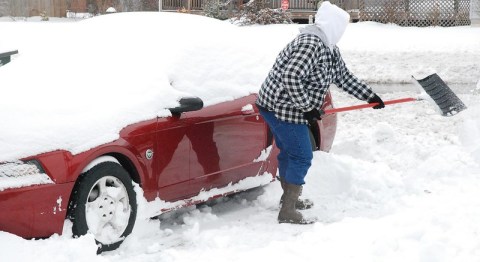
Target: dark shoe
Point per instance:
(301, 204)
(288, 212)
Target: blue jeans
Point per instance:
(293, 140)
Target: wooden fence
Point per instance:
(416, 12)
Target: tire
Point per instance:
(104, 204)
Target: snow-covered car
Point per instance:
(146, 111)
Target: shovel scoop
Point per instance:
(434, 86)
(442, 95)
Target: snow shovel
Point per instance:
(440, 93)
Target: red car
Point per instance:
(172, 158)
(188, 155)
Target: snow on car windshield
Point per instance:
(74, 86)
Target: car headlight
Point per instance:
(21, 174)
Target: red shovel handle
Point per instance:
(350, 108)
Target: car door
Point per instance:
(226, 139)
(171, 159)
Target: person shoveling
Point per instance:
(291, 96)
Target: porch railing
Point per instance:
(306, 5)
(296, 4)
(182, 4)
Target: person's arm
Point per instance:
(297, 69)
(349, 82)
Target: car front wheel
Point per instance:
(104, 204)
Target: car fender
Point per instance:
(136, 164)
(99, 160)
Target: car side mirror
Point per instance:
(187, 104)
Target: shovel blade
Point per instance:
(443, 96)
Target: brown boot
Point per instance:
(288, 213)
(301, 204)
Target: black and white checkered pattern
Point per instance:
(301, 76)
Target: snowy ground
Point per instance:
(400, 184)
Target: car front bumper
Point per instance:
(34, 211)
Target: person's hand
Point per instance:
(376, 99)
(312, 115)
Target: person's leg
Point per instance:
(293, 140)
(296, 145)
(295, 158)
(282, 156)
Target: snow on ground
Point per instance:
(400, 184)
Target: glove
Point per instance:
(376, 99)
(312, 115)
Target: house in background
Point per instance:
(403, 12)
(59, 8)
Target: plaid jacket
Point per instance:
(301, 77)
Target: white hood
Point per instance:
(333, 21)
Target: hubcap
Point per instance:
(107, 210)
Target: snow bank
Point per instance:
(66, 248)
(470, 130)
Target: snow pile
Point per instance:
(65, 248)
(154, 208)
(469, 131)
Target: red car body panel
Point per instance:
(35, 211)
(199, 150)
(327, 126)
